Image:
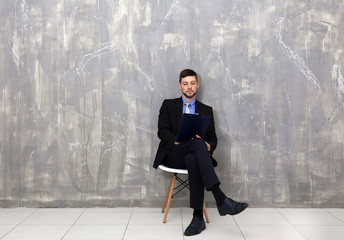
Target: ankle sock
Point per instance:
(219, 196)
(198, 213)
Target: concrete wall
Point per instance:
(82, 82)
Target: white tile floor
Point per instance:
(146, 223)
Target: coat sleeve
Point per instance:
(211, 134)
(164, 126)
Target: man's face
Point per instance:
(189, 86)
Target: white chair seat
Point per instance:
(173, 170)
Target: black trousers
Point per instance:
(193, 155)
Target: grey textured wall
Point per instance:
(82, 82)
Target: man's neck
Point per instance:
(189, 99)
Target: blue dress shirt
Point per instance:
(192, 106)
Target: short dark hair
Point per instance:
(187, 73)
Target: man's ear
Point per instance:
(179, 85)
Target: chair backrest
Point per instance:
(173, 170)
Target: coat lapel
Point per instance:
(179, 108)
(197, 108)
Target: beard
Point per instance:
(189, 96)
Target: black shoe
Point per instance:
(195, 227)
(231, 207)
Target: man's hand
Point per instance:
(176, 143)
(208, 145)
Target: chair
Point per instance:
(182, 184)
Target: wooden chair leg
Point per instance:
(167, 194)
(169, 197)
(205, 213)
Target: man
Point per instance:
(195, 155)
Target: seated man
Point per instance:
(195, 155)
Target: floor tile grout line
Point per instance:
(284, 216)
(181, 216)
(73, 224)
(313, 225)
(126, 228)
(236, 223)
(19, 223)
(335, 216)
(292, 225)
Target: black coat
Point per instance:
(170, 115)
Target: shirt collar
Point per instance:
(192, 103)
